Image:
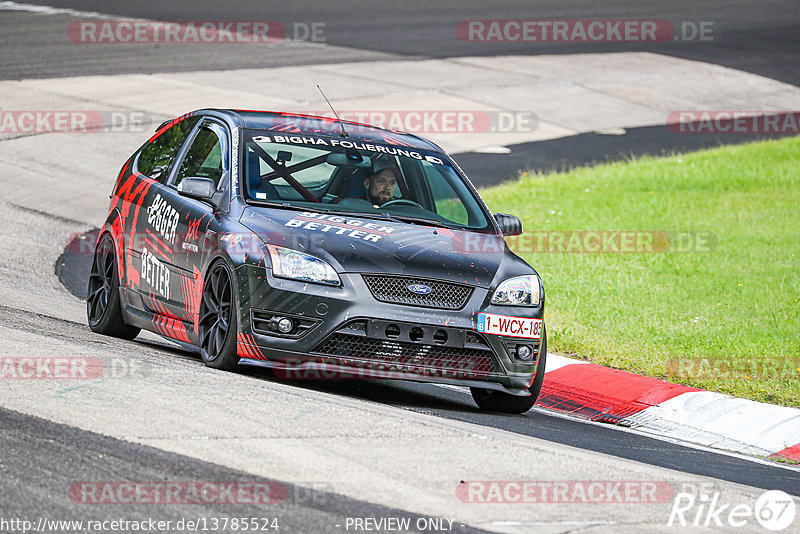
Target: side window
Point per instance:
(156, 159)
(448, 204)
(204, 158)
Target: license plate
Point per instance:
(505, 325)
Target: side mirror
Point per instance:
(509, 224)
(198, 188)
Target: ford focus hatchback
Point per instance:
(320, 249)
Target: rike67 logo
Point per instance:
(774, 510)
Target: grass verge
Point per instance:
(711, 296)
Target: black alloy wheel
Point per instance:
(217, 326)
(103, 306)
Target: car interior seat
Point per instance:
(353, 186)
(254, 181)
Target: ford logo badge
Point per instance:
(419, 289)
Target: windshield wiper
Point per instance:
(386, 216)
(289, 205)
(382, 216)
(423, 220)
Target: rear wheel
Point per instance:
(103, 306)
(217, 326)
(497, 401)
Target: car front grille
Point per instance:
(395, 290)
(469, 358)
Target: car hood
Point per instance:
(364, 245)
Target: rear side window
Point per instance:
(156, 159)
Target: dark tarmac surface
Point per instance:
(41, 459)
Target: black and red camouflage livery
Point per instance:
(252, 236)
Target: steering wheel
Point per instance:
(401, 202)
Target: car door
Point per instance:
(206, 155)
(148, 251)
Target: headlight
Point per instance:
(519, 291)
(288, 263)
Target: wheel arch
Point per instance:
(223, 360)
(114, 226)
(221, 256)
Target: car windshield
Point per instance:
(357, 177)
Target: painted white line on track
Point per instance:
(7, 5)
(47, 10)
(644, 431)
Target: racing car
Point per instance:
(318, 248)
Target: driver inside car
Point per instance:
(380, 186)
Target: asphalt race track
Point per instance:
(456, 404)
(335, 450)
(759, 37)
(755, 37)
(46, 457)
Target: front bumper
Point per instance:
(344, 332)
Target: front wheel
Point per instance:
(217, 326)
(497, 401)
(103, 306)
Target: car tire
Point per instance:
(103, 303)
(497, 401)
(217, 326)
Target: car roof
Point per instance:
(298, 123)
